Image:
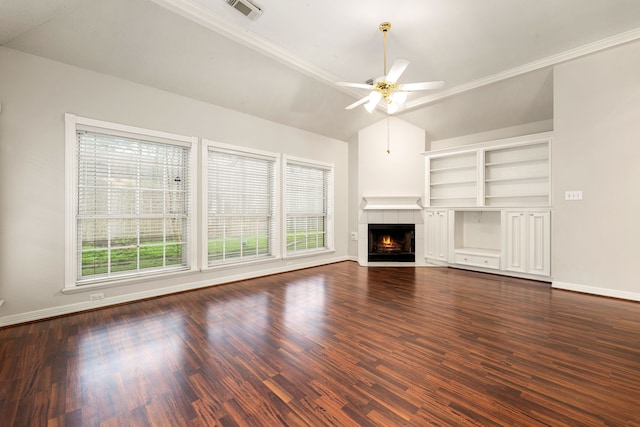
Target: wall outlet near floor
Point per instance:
(96, 297)
(573, 195)
(354, 235)
(1, 302)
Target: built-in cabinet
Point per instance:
(437, 234)
(527, 242)
(493, 199)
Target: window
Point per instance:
(240, 204)
(308, 206)
(130, 195)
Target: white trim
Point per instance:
(511, 142)
(89, 305)
(549, 61)
(72, 124)
(71, 185)
(605, 292)
(392, 202)
(143, 132)
(307, 162)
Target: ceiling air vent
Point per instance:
(247, 8)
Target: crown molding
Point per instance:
(549, 61)
(213, 21)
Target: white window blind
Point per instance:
(241, 204)
(309, 206)
(133, 206)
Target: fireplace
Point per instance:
(392, 242)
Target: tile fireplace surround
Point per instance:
(390, 210)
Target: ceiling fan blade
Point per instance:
(358, 102)
(396, 70)
(420, 86)
(358, 85)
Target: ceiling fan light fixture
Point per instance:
(399, 97)
(387, 87)
(375, 97)
(370, 106)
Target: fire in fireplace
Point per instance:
(392, 242)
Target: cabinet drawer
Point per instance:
(477, 260)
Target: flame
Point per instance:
(386, 240)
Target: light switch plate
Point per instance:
(573, 195)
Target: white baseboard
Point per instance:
(120, 299)
(605, 292)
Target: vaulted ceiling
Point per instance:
(495, 56)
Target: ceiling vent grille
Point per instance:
(247, 8)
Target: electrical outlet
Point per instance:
(96, 297)
(354, 235)
(573, 195)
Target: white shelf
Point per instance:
(525, 178)
(518, 162)
(453, 168)
(392, 203)
(513, 196)
(453, 198)
(436, 184)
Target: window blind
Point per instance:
(308, 205)
(132, 206)
(240, 206)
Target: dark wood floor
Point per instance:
(334, 345)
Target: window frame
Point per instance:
(329, 231)
(72, 124)
(274, 244)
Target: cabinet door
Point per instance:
(436, 241)
(539, 243)
(516, 241)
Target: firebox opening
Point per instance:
(392, 242)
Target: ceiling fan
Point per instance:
(386, 89)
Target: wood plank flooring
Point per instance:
(337, 345)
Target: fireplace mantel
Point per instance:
(391, 202)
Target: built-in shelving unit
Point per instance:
(453, 179)
(505, 173)
(497, 199)
(517, 176)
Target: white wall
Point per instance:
(596, 149)
(398, 173)
(34, 95)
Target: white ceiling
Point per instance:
(494, 55)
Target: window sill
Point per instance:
(309, 253)
(126, 281)
(240, 263)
